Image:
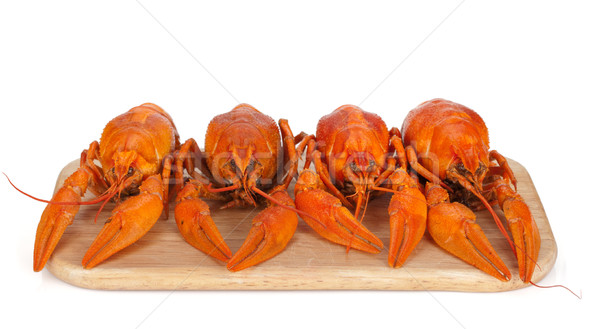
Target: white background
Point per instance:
(530, 69)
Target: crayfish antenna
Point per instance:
(98, 199)
(580, 296)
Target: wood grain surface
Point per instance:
(162, 260)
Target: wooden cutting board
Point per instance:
(162, 260)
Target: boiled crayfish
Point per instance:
(244, 156)
(448, 142)
(356, 157)
(136, 153)
(248, 158)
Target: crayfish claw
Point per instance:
(199, 230)
(196, 225)
(50, 230)
(130, 220)
(270, 233)
(452, 226)
(524, 231)
(330, 219)
(59, 214)
(408, 221)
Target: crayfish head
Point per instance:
(359, 172)
(236, 165)
(475, 177)
(360, 164)
(240, 171)
(470, 163)
(124, 175)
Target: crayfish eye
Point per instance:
(353, 166)
(232, 164)
(371, 165)
(250, 166)
(130, 171)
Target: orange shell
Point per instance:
(241, 128)
(146, 129)
(348, 130)
(447, 132)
